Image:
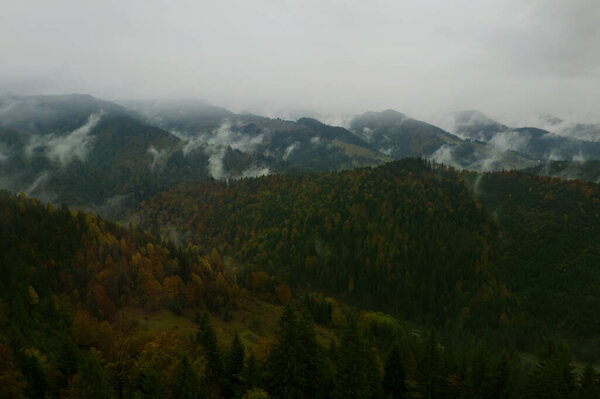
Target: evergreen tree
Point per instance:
(358, 374)
(553, 377)
(500, 384)
(235, 366)
(430, 367)
(394, 376)
(92, 382)
(186, 383)
(150, 386)
(292, 370)
(478, 381)
(589, 384)
(207, 338)
(251, 374)
(37, 383)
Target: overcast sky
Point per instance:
(508, 58)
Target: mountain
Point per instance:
(186, 117)
(93, 153)
(531, 142)
(476, 126)
(396, 134)
(42, 115)
(569, 170)
(399, 136)
(304, 145)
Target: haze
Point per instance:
(510, 59)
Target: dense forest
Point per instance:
(407, 237)
(417, 240)
(409, 280)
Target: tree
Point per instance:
(12, 382)
(92, 381)
(292, 370)
(501, 385)
(207, 338)
(235, 365)
(478, 381)
(186, 383)
(589, 384)
(429, 367)
(394, 376)
(149, 385)
(358, 375)
(553, 376)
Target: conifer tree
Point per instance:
(186, 383)
(358, 374)
(394, 376)
(207, 338)
(292, 364)
(553, 377)
(589, 384)
(234, 366)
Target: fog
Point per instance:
(66, 148)
(512, 60)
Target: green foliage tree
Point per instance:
(12, 382)
(553, 377)
(358, 373)
(92, 381)
(234, 367)
(186, 383)
(394, 375)
(589, 384)
(292, 365)
(207, 338)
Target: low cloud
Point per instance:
(444, 155)
(4, 154)
(216, 167)
(158, 157)
(256, 171)
(510, 141)
(226, 135)
(289, 150)
(66, 148)
(36, 188)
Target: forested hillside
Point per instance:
(407, 237)
(70, 279)
(412, 239)
(551, 248)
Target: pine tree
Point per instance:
(589, 384)
(234, 367)
(358, 374)
(501, 384)
(150, 385)
(478, 381)
(251, 375)
(394, 376)
(207, 338)
(553, 377)
(186, 383)
(429, 367)
(292, 370)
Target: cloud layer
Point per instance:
(506, 57)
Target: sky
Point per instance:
(511, 59)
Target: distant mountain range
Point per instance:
(531, 142)
(88, 152)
